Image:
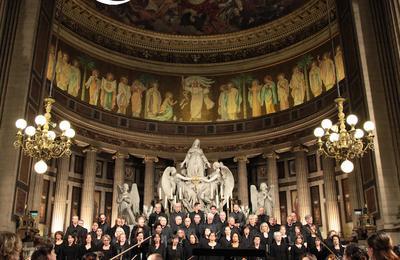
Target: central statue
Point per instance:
(195, 161)
(191, 184)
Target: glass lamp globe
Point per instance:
(40, 120)
(20, 124)
(30, 131)
(326, 124)
(334, 137)
(369, 126)
(352, 120)
(359, 133)
(51, 135)
(319, 132)
(40, 167)
(70, 133)
(64, 125)
(347, 166)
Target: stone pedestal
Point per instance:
(243, 188)
(119, 177)
(303, 188)
(149, 179)
(272, 172)
(89, 182)
(331, 200)
(60, 197)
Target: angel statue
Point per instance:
(262, 198)
(128, 202)
(221, 177)
(174, 184)
(209, 186)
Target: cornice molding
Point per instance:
(159, 67)
(175, 146)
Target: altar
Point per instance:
(189, 184)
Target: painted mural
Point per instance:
(196, 98)
(198, 17)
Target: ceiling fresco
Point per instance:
(197, 17)
(90, 22)
(196, 98)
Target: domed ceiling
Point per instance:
(197, 17)
(194, 31)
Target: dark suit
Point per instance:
(105, 227)
(239, 218)
(200, 213)
(153, 218)
(76, 231)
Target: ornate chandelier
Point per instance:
(344, 143)
(42, 142)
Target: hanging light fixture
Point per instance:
(343, 140)
(42, 142)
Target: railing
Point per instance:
(119, 256)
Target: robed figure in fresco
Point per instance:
(199, 89)
(167, 111)
(283, 91)
(195, 161)
(315, 79)
(136, 99)
(233, 101)
(327, 71)
(124, 95)
(222, 103)
(50, 62)
(254, 98)
(268, 95)
(339, 63)
(94, 85)
(74, 84)
(153, 101)
(108, 92)
(63, 70)
(298, 86)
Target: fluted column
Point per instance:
(37, 190)
(89, 181)
(273, 182)
(331, 202)
(149, 179)
(119, 177)
(60, 197)
(242, 180)
(356, 199)
(303, 188)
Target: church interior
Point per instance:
(285, 111)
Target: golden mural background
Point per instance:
(196, 98)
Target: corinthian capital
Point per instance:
(150, 158)
(271, 155)
(300, 148)
(120, 155)
(241, 158)
(91, 149)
